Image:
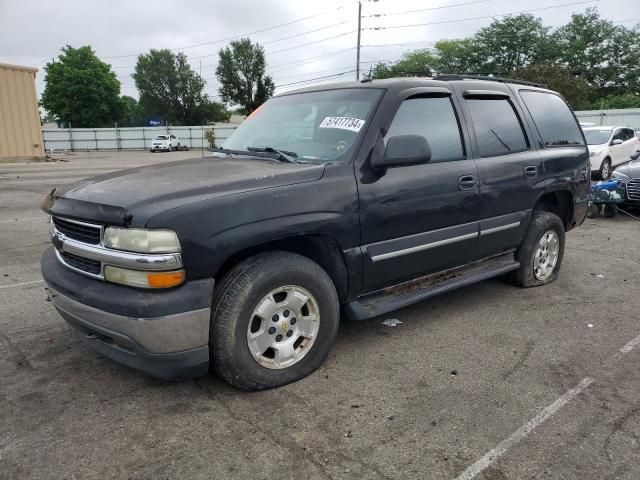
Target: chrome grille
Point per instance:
(633, 189)
(81, 263)
(83, 232)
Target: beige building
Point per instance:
(20, 132)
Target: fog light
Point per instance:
(137, 278)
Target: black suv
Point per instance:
(358, 198)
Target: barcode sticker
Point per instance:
(344, 123)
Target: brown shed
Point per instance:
(20, 131)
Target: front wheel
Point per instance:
(605, 169)
(274, 319)
(540, 253)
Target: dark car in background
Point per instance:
(628, 177)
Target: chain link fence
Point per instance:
(134, 138)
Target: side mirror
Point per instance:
(404, 150)
(617, 141)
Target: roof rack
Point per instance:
(447, 77)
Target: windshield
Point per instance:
(161, 137)
(597, 137)
(316, 126)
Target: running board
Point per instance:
(407, 293)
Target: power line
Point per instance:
(238, 36)
(404, 12)
(311, 43)
(310, 80)
(483, 17)
(304, 33)
(307, 60)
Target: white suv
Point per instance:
(165, 143)
(610, 147)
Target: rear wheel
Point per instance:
(540, 253)
(274, 319)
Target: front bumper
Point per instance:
(165, 333)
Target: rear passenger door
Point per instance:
(510, 170)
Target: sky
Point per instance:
(303, 40)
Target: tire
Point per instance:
(609, 211)
(246, 289)
(169, 148)
(593, 210)
(542, 223)
(178, 147)
(605, 169)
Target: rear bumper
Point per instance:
(165, 334)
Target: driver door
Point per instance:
(420, 219)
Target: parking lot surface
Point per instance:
(487, 382)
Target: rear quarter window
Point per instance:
(553, 119)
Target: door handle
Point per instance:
(531, 171)
(467, 182)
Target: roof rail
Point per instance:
(447, 77)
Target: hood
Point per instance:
(132, 196)
(631, 169)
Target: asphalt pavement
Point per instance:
(487, 382)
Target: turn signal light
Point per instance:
(165, 279)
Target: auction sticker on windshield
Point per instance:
(344, 123)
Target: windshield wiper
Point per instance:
(283, 155)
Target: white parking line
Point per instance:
(22, 219)
(631, 345)
(20, 284)
(523, 431)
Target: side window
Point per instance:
(497, 127)
(629, 134)
(617, 135)
(553, 119)
(434, 119)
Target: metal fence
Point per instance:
(628, 117)
(134, 138)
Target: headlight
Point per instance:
(136, 278)
(141, 240)
(594, 153)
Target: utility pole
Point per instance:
(358, 47)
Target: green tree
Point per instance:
(574, 88)
(418, 63)
(130, 112)
(170, 88)
(458, 56)
(512, 43)
(81, 89)
(606, 55)
(241, 73)
(625, 100)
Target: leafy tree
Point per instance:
(606, 55)
(241, 73)
(170, 88)
(511, 43)
(625, 100)
(212, 112)
(418, 63)
(81, 89)
(458, 56)
(130, 113)
(574, 88)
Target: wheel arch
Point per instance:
(559, 202)
(322, 249)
